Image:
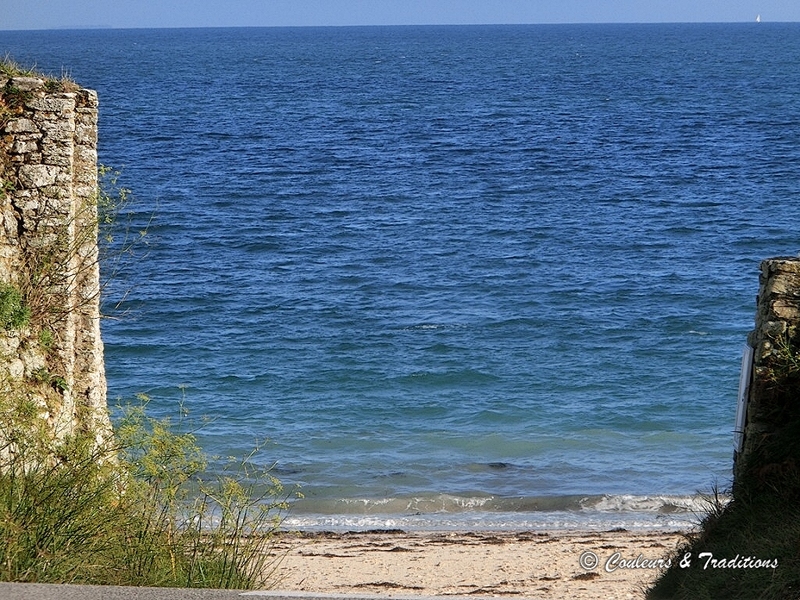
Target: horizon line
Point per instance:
(754, 21)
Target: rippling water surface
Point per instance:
(459, 276)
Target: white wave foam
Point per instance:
(660, 504)
(446, 512)
(482, 521)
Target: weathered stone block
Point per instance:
(16, 368)
(86, 98)
(37, 176)
(782, 283)
(10, 228)
(86, 155)
(9, 344)
(60, 131)
(49, 104)
(21, 125)
(786, 310)
(27, 84)
(64, 179)
(773, 329)
(52, 150)
(85, 134)
(55, 201)
(42, 240)
(24, 147)
(33, 360)
(19, 197)
(85, 191)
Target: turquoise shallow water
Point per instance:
(459, 276)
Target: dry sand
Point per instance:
(532, 564)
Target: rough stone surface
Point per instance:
(61, 105)
(21, 126)
(24, 146)
(27, 84)
(37, 176)
(777, 324)
(48, 165)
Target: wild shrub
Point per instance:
(142, 511)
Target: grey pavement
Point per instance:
(50, 591)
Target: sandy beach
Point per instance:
(559, 564)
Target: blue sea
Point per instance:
(467, 277)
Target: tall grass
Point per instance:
(765, 529)
(763, 519)
(140, 511)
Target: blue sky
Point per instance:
(50, 14)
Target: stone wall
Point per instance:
(769, 453)
(49, 252)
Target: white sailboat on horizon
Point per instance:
(758, 18)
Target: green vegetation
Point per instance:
(118, 238)
(42, 375)
(15, 98)
(12, 99)
(10, 68)
(46, 340)
(140, 511)
(766, 528)
(763, 519)
(14, 314)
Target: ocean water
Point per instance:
(460, 277)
